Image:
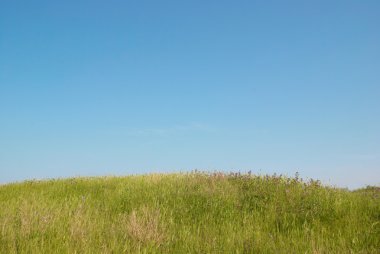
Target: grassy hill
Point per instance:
(187, 213)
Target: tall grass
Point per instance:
(187, 213)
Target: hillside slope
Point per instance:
(187, 213)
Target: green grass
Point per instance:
(187, 213)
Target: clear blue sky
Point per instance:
(125, 87)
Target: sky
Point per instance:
(90, 88)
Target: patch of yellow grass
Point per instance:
(144, 226)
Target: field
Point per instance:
(187, 213)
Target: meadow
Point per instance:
(193, 212)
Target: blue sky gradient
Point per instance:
(126, 87)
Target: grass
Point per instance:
(187, 213)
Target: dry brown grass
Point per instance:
(79, 225)
(34, 218)
(144, 225)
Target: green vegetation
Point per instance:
(187, 213)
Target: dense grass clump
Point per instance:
(187, 213)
